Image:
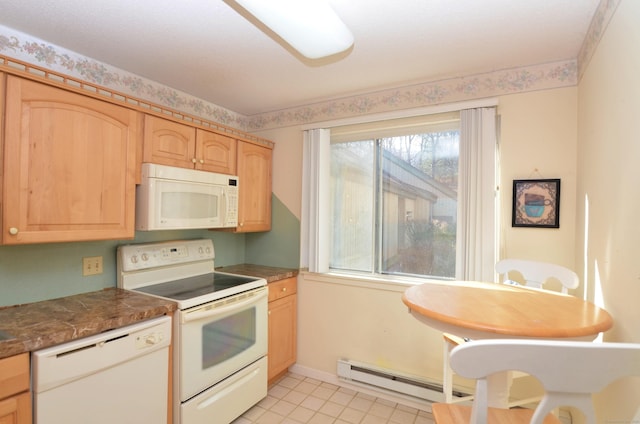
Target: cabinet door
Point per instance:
(282, 335)
(215, 152)
(69, 166)
(16, 409)
(254, 172)
(169, 143)
(15, 399)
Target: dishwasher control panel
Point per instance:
(150, 339)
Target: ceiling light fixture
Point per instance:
(309, 26)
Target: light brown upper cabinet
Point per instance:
(254, 172)
(217, 152)
(171, 143)
(69, 166)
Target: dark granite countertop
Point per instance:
(269, 273)
(42, 324)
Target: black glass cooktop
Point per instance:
(193, 287)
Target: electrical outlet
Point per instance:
(92, 265)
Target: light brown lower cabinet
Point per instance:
(15, 398)
(282, 327)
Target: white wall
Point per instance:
(364, 322)
(538, 139)
(609, 179)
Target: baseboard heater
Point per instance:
(385, 379)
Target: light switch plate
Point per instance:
(92, 265)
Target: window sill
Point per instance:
(387, 283)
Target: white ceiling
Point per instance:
(207, 49)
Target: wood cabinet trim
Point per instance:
(36, 73)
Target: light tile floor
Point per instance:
(296, 399)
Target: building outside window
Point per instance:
(393, 197)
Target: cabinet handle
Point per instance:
(201, 160)
(13, 231)
(284, 289)
(193, 160)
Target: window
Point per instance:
(393, 197)
(404, 197)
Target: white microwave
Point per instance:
(170, 198)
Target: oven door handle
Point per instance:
(222, 306)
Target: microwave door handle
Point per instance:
(224, 208)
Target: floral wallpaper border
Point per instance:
(599, 23)
(566, 73)
(540, 77)
(32, 50)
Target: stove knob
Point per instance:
(134, 259)
(145, 257)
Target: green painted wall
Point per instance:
(34, 272)
(30, 273)
(279, 247)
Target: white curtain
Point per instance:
(477, 211)
(314, 249)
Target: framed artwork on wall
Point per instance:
(536, 203)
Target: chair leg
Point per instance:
(450, 342)
(447, 374)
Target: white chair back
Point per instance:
(536, 274)
(570, 372)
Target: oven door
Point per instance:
(220, 338)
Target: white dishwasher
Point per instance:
(119, 376)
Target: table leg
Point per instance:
(498, 393)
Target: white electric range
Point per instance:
(220, 328)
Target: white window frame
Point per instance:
(314, 249)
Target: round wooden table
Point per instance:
(488, 310)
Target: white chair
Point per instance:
(570, 373)
(535, 274)
(538, 274)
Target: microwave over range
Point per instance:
(171, 198)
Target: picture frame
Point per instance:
(536, 203)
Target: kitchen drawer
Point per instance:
(282, 288)
(14, 375)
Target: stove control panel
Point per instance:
(134, 257)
